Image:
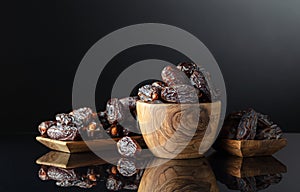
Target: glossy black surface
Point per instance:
(20, 172)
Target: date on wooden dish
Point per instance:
(249, 133)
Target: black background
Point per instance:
(256, 44)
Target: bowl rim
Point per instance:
(161, 104)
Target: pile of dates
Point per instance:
(249, 125)
(184, 83)
(124, 176)
(117, 120)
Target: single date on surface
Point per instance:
(128, 147)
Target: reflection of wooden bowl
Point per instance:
(179, 131)
(179, 175)
(249, 148)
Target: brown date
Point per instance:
(187, 68)
(148, 93)
(159, 84)
(180, 94)
(173, 76)
(44, 126)
(114, 111)
(63, 133)
(198, 80)
(247, 125)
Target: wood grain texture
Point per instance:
(250, 148)
(179, 131)
(179, 175)
(253, 166)
(68, 161)
(83, 146)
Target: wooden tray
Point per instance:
(250, 148)
(82, 146)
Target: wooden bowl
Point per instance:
(179, 175)
(250, 148)
(179, 131)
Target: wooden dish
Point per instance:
(250, 148)
(179, 175)
(83, 146)
(179, 131)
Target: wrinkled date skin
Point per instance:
(179, 94)
(229, 129)
(266, 129)
(114, 111)
(247, 126)
(198, 80)
(129, 102)
(187, 68)
(65, 133)
(159, 84)
(173, 76)
(149, 93)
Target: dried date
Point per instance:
(173, 76)
(187, 68)
(266, 129)
(103, 119)
(159, 84)
(44, 126)
(129, 102)
(128, 147)
(115, 130)
(198, 80)
(82, 116)
(63, 133)
(180, 94)
(65, 119)
(114, 111)
(247, 125)
(149, 93)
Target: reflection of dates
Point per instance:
(198, 80)
(126, 167)
(173, 76)
(148, 93)
(180, 94)
(247, 126)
